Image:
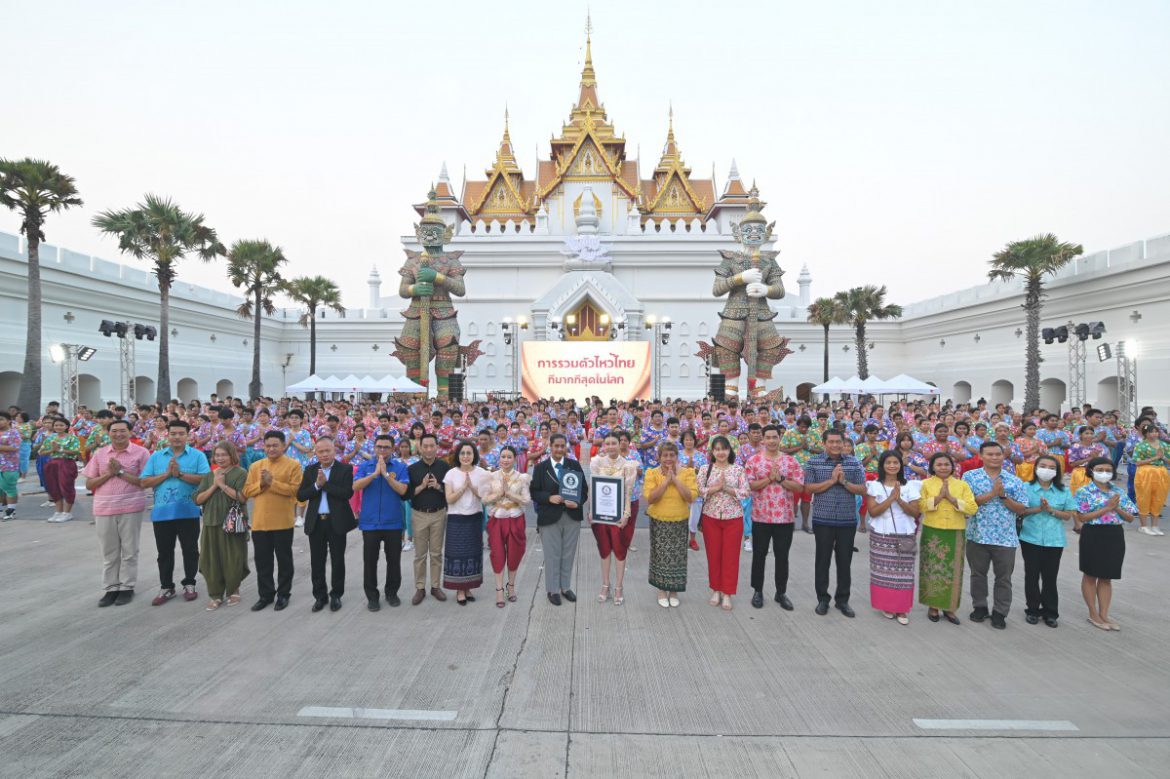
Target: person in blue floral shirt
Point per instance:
(1101, 508)
(1056, 440)
(652, 435)
(992, 536)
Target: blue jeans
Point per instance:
(41, 471)
(406, 518)
(1132, 468)
(747, 517)
(25, 451)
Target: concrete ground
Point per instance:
(590, 689)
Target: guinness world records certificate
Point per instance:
(609, 500)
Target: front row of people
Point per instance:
(946, 521)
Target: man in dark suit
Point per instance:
(558, 520)
(327, 486)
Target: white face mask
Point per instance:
(1047, 474)
(1102, 477)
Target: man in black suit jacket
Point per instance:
(558, 521)
(327, 486)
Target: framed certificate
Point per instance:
(609, 500)
(570, 486)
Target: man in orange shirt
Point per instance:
(273, 483)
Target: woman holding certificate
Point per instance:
(724, 487)
(611, 541)
(670, 488)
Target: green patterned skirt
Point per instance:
(668, 555)
(940, 568)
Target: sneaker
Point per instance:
(54, 517)
(408, 546)
(300, 522)
(1143, 529)
(189, 592)
(1157, 531)
(64, 517)
(162, 597)
(747, 545)
(9, 514)
(48, 504)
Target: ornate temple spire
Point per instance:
(671, 157)
(588, 94)
(734, 187)
(505, 156)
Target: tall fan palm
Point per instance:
(826, 312)
(1031, 260)
(313, 292)
(254, 266)
(158, 230)
(860, 305)
(34, 188)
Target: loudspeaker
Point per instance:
(717, 387)
(455, 386)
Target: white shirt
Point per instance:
(467, 503)
(894, 520)
(324, 508)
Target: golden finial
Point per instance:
(506, 128)
(588, 76)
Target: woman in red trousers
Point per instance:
(506, 497)
(723, 487)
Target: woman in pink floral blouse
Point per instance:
(723, 486)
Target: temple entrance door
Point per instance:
(587, 323)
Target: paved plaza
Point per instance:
(582, 690)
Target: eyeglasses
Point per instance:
(383, 446)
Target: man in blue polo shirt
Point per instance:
(174, 473)
(834, 479)
(384, 484)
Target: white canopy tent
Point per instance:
(908, 385)
(830, 387)
(311, 384)
(403, 384)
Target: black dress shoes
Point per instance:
(125, 596)
(261, 604)
(1051, 622)
(554, 598)
(782, 599)
(373, 605)
(758, 599)
(1032, 619)
(393, 601)
(319, 604)
(998, 621)
(335, 603)
(822, 607)
(108, 599)
(569, 595)
(281, 603)
(978, 615)
(845, 609)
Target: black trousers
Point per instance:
(324, 544)
(270, 546)
(1041, 565)
(187, 533)
(780, 537)
(834, 545)
(373, 542)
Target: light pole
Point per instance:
(512, 329)
(126, 352)
(1127, 354)
(660, 327)
(68, 355)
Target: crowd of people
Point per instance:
(938, 488)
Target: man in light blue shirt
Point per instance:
(991, 534)
(174, 473)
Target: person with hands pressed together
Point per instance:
(326, 488)
(507, 496)
(385, 486)
(112, 475)
(1050, 505)
(1101, 507)
(670, 489)
(834, 479)
(724, 487)
(465, 485)
(273, 483)
(558, 520)
(893, 510)
(946, 501)
(991, 533)
(428, 516)
(173, 473)
(224, 555)
(776, 480)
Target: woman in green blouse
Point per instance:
(223, 558)
(1151, 484)
(64, 452)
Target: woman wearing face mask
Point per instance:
(1101, 508)
(946, 502)
(1042, 539)
(1151, 482)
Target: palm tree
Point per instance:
(860, 305)
(313, 292)
(255, 266)
(34, 188)
(825, 312)
(158, 230)
(1031, 260)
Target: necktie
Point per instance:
(560, 469)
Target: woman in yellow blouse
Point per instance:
(669, 491)
(946, 503)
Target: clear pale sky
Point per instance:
(897, 142)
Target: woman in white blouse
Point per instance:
(507, 495)
(893, 520)
(465, 484)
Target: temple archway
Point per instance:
(587, 322)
